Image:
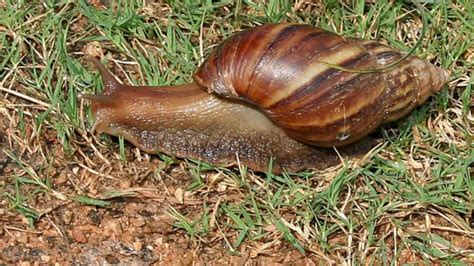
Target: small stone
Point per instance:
(93, 49)
(127, 237)
(93, 191)
(137, 222)
(45, 258)
(221, 187)
(68, 216)
(113, 226)
(124, 184)
(137, 246)
(183, 243)
(147, 229)
(163, 224)
(78, 236)
(179, 195)
(187, 259)
(159, 241)
(214, 178)
(22, 237)
(61, 179)
(75, 170)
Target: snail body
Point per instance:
(271, 93)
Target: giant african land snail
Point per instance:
(264, 92)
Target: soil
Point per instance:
(128, 232)
(132, 229)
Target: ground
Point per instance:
(69, 195)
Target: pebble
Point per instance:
(137, 222)
(78, 236)
(127, 237)
(137, 246)
(61, 179)
(179, 195)
(68, 216)
(163, 224)
(221, 187)
(124, 184)
(22, 237)
(187, 259)
(93, 49)
(113, 226)
(45, 258)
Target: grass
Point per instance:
(411, 201)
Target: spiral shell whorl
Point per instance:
(280, 68)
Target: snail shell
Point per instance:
(281, 69)
(277, 93)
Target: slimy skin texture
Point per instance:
(187, 122)
(264, 95)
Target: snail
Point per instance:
(283, 93)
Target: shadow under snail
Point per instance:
(271, 92)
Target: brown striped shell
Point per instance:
(281, 69)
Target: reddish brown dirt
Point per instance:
(134, 229)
